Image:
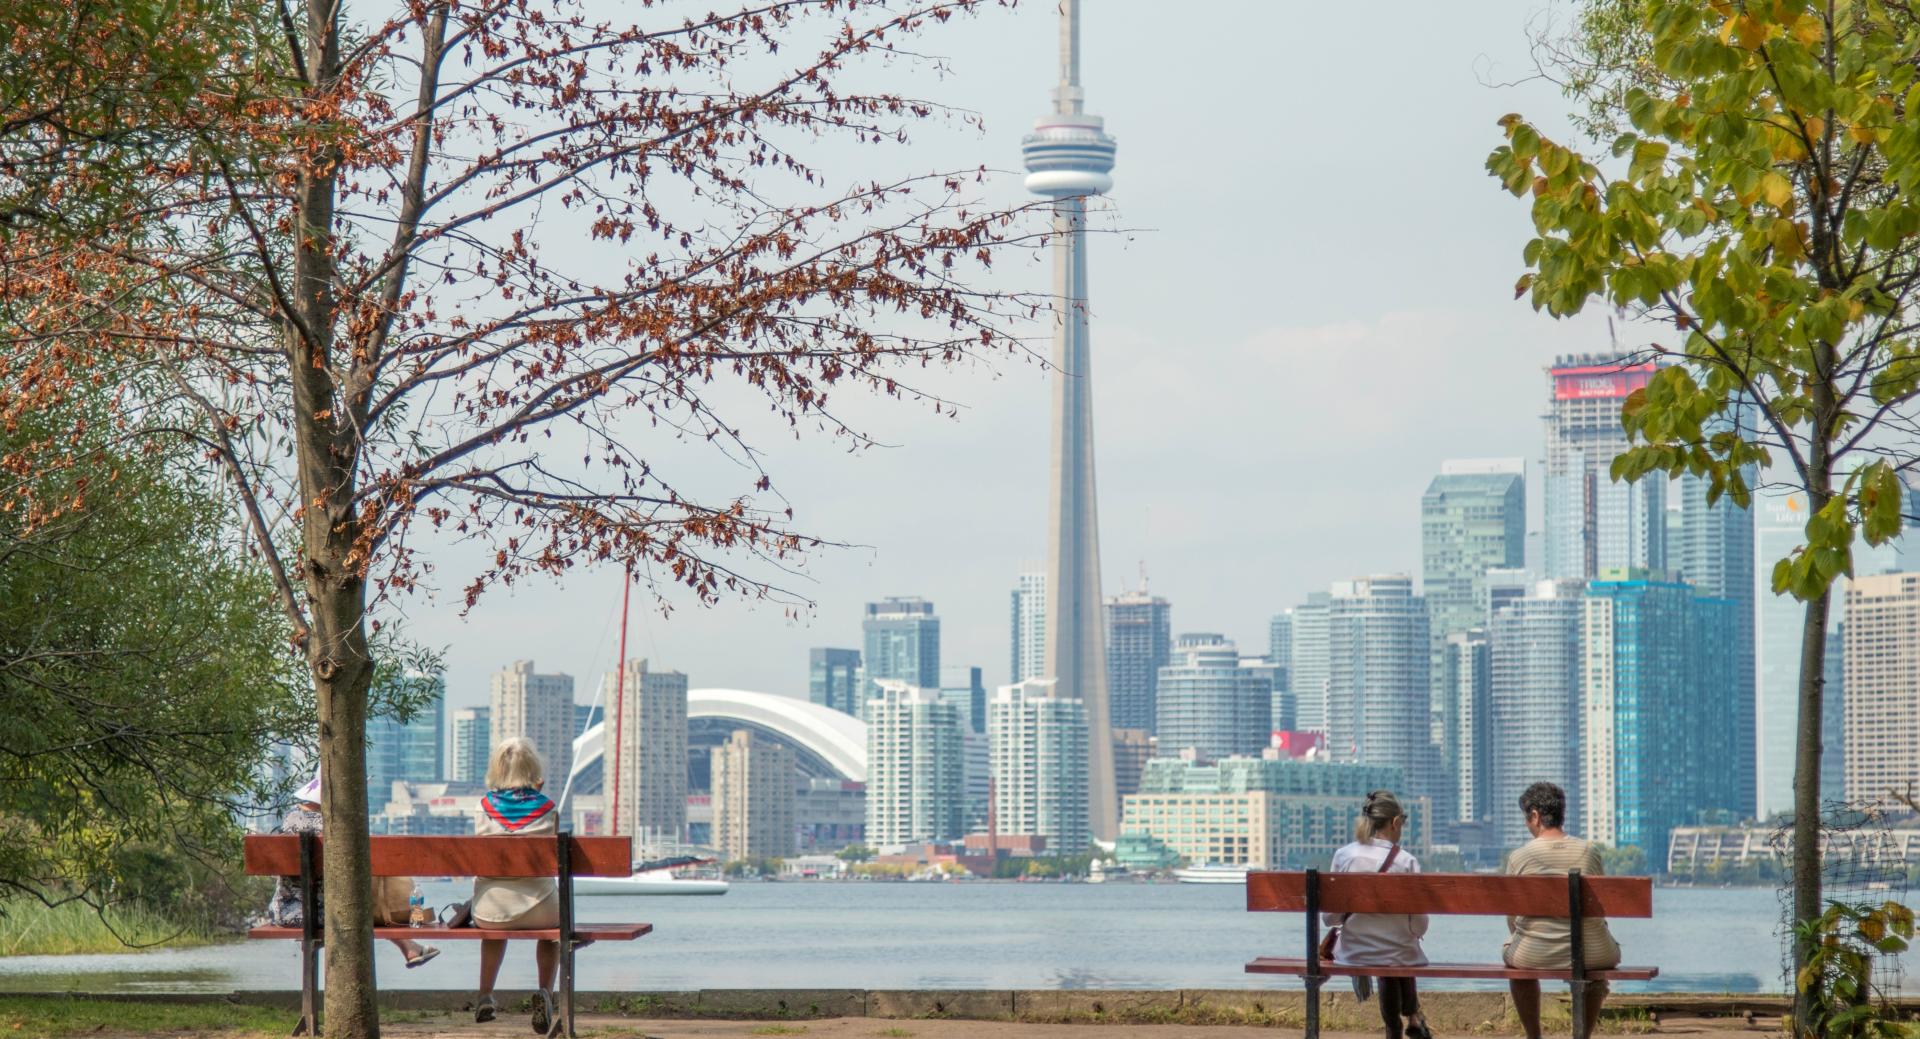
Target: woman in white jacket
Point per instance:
(1383, 939)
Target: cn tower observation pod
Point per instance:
(1068, 154)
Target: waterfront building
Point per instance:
(1027, 626)
(1307, 663)
(753, 798)
(832, 678)
(1069, 157)
(1711, 547)
(647, 781)
(1209, 704)
(472, 744)
(903, 644)
(1472, 519)
(538, 707)
(410, 751)
(976, 778)
(1592, 521)
(1534, 700)
(1037, 740)
(1264, 813)
(915, 766)
(1132, 749)
(1466, 675)
(964, 688)
(1286, 715)
(1379, 701)
(1881, 653)
(1657, 687)
(427, 809)
(830, 813)
(1139, 644)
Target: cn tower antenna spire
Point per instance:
(1069, 157)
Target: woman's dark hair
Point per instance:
(1549, 800)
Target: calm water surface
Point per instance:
(963, 936)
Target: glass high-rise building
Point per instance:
(1711, 547)
(1307, 663)
(1209, 703)
(1280, 655)
(1379, 685)
(1027, 626)
(1657, 686)
(1472, 520)
(413, 750)
(902, 644)
(472, 744)
(1466, 674)
(1037, 746)
(832, 679)
(1880, 649)
(1592, 522)
(916, 772)
(1534, 699)
(1139, 644)
(965, 688)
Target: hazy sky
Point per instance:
(1311, 309)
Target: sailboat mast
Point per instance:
(620, 695)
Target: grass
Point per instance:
(778, 1030)
(28, 928)
(53, 1016)
(894, 1033)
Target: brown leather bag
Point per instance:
(1333, 933)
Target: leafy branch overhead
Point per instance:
(1761, 207)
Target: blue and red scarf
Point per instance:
(516, 809)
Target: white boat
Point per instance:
(653, 878)
(1209, 874)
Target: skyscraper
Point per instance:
(1472, 519)
(1037, 749)
(1657, 685)
(1534, 698)
(539, 707)
(1139, 644)
(1467, 677)
(1592, 522)
(1210, 703)
(1028, 626)
(964, 687)
(753, 794)
(412, 751)
(916, 787)
(903, 644)
(472, 744)
(1379, 685)
(1307, 670)
(1069, 156)
(1882, 666)
(1711, 546)
(647, 777)
(1280, 654)
(832, 675)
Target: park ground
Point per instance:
(60, 1017)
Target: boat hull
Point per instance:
(647, 884)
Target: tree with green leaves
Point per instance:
(1760, 211)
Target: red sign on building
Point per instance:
(1610, 382)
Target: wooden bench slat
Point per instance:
(278, 855)
(1485, 971)
(1471, 894)
(585, 932)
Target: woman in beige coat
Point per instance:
(514, 805)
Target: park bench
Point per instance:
(1460, 894)
(563, 858)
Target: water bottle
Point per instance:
(417, 908)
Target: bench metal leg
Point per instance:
(1577, 938)
(1313, 977)
(563, 1020)
(309, 989)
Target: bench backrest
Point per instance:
(1467, 894)
(278, 855)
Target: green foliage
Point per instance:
(53, 1016)
(1838, 976)
(29, 927)
(1630, 861)
(761, 866)
(855, 853)
(145, 676)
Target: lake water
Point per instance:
(951, 936)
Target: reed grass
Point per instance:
(28, 928)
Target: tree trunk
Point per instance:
(1806, 796)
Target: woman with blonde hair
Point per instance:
(514, 804)
(1381, 939)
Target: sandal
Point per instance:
(427, 952)
(483, 1010)
(543, 1012)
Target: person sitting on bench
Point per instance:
(1382, 939)
(514, 805)
(285, 909)
(1544, 942)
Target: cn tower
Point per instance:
(1068, 158)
